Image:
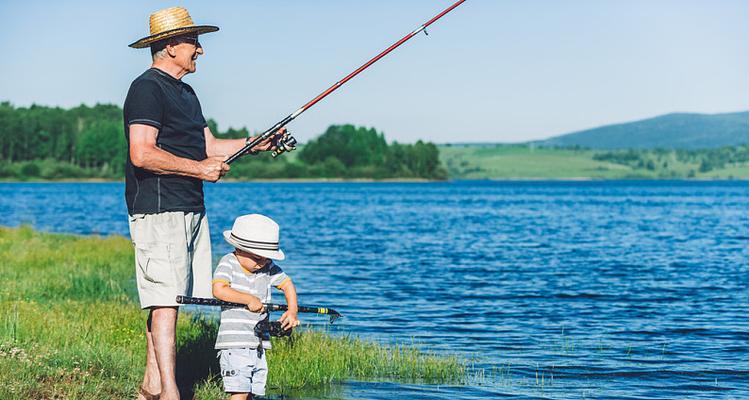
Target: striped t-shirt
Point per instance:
(237, 323)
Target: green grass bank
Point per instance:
(526, 161)
(70, 328)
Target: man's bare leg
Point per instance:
(151, 379)
(163, 339)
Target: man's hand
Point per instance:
(289, 320)
(268, 144)
(213, 168)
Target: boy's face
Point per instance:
(249, 261)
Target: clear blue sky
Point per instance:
(490, 71)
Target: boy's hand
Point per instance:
(255, 305)
(289, 320)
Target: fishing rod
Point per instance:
(201, 301)
(287, 142)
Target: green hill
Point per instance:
(671, 131)
(522, 161)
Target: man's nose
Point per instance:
(199, 49)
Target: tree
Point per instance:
(101, 144)
(351, 146)
(52, 142)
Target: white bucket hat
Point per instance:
(256, 234)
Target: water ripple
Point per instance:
(626, 290)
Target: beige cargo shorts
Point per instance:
(172, 256)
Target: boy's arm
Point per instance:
(223, 291)
(289, 319)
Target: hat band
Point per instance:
(254, 244)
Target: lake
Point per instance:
(618, 289)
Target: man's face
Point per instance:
(186, 52)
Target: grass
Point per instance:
(70, 328)
(522, 161)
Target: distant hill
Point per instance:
(670, 131)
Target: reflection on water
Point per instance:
(552, 289)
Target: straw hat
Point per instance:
(256, 234)
(170, 22)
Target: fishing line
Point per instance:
(287, 142)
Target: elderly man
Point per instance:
(171, 152)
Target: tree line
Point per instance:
(702, 160)
(53, 143)
(89, 142)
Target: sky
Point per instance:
(489, 71)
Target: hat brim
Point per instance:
(272, 254)
(196, 29)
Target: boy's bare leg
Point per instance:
(163, 333)
(240, 396)
(151, 379)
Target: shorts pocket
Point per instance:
(234, 362)
(223, 362)
(155, 263)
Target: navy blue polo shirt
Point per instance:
(157, 99)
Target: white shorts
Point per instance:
(172, 256)
(243, 371)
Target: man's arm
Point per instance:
(221, 147)
(226, 147)
(144, 153)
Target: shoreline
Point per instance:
(40, 338)
(401, 180)
(288, 180)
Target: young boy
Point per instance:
(245, 276)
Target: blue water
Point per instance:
(633, 290)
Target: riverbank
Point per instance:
(70, 328)
(529, 162)
(385, 181)
(284, 180)
(511, 162)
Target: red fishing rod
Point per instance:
(287, 142)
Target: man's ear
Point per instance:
(171, 50)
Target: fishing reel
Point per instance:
(265, 328)
(283, 144)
